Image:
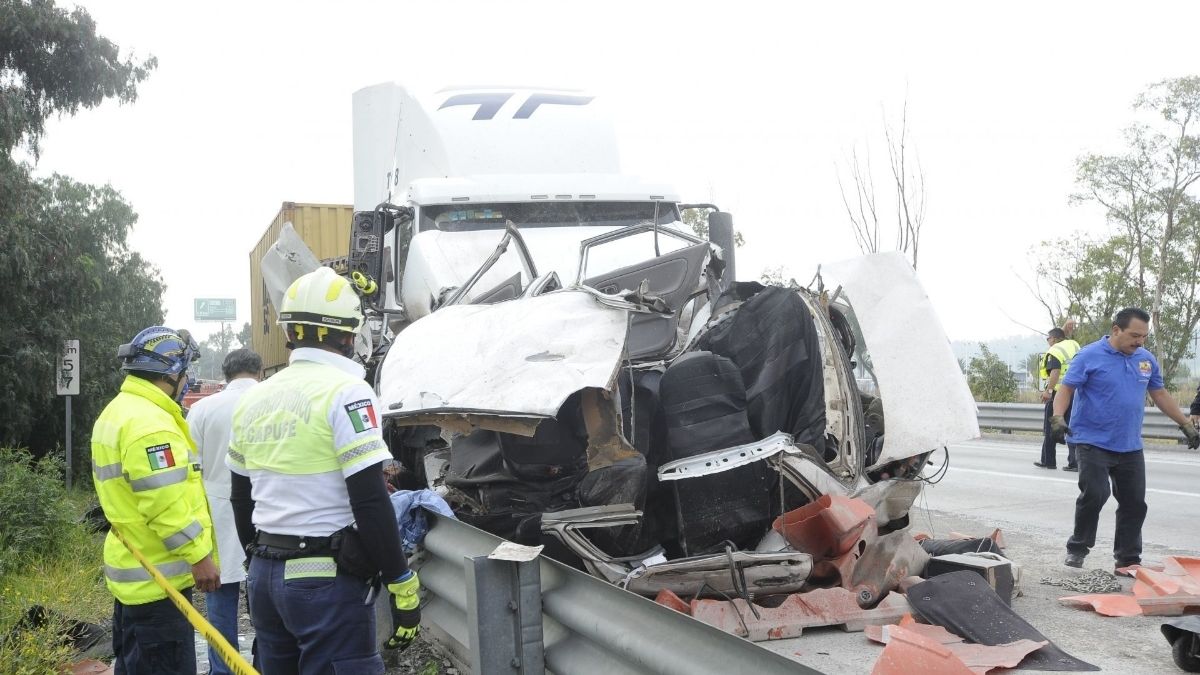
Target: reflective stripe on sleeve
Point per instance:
(354, 453)
(171, 569)
(158, 480)
(183, 536)
(300, 568)
(237, 458)
(106, 471)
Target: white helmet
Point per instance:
(322, 298)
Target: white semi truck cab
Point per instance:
(442, 179)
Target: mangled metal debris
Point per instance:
(657, 434)
(670, 430)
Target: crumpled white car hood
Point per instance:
(522, 357)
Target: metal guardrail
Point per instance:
(1028, 417)
(487, 614)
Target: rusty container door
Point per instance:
(326, 230)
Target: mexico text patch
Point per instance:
(362, 415)
(160, 456)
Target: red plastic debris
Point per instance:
(910, 652)
(1106, 604)
(975, 658)
(668, 598)
(828, 527)
(820, 607)
(1170, 591)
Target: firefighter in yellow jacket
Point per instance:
(147, 478)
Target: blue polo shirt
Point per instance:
(1110, 395)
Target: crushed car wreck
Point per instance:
(568, 365)
(657, 426)
(657, 432)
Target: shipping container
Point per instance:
(326, 230)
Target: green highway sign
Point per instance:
(215, 309)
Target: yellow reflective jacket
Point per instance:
(1064, 351)
(147, 477)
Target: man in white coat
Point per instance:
(210, 421)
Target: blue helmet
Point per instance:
(160, 350)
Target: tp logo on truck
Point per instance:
(490, 104)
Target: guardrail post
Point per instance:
(504, 615)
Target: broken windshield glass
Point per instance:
(470, 217)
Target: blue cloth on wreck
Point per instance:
(410, 516)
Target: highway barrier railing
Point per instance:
(1008, 417)
(501, 616)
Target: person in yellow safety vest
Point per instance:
(147, 478)
(1055, 363)
(309, 498)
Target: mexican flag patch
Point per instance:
(362, 415)
(160, 456)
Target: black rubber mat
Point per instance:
(964, 604)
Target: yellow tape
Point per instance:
(233, 659)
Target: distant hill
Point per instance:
(1013, 350)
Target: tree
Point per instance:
(68, 273)
(213, 351)
(908, 193)
(1151, 257)
(773, 276)
(65, 265)
(53, 62)
(990, 378)
(1033, 364)
(243, 336)
(697, 219)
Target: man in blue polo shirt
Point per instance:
(1109, 380)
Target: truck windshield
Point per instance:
(470, 217)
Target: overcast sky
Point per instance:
(751, 105)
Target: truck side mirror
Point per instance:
(366, 254)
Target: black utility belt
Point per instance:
(345, 546)
(288, 542)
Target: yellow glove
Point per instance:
(406, 611)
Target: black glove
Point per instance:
(1059, 429)
(1193, 436)
(406, 611)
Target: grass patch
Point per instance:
(48, 558)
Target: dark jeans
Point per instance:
(1049, 447)
(309, 620)
(153, 639)
(1127, 473)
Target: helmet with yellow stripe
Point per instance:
(322, 299)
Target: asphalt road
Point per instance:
(993, 483)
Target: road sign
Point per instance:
(68, 369)
(215, 309)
